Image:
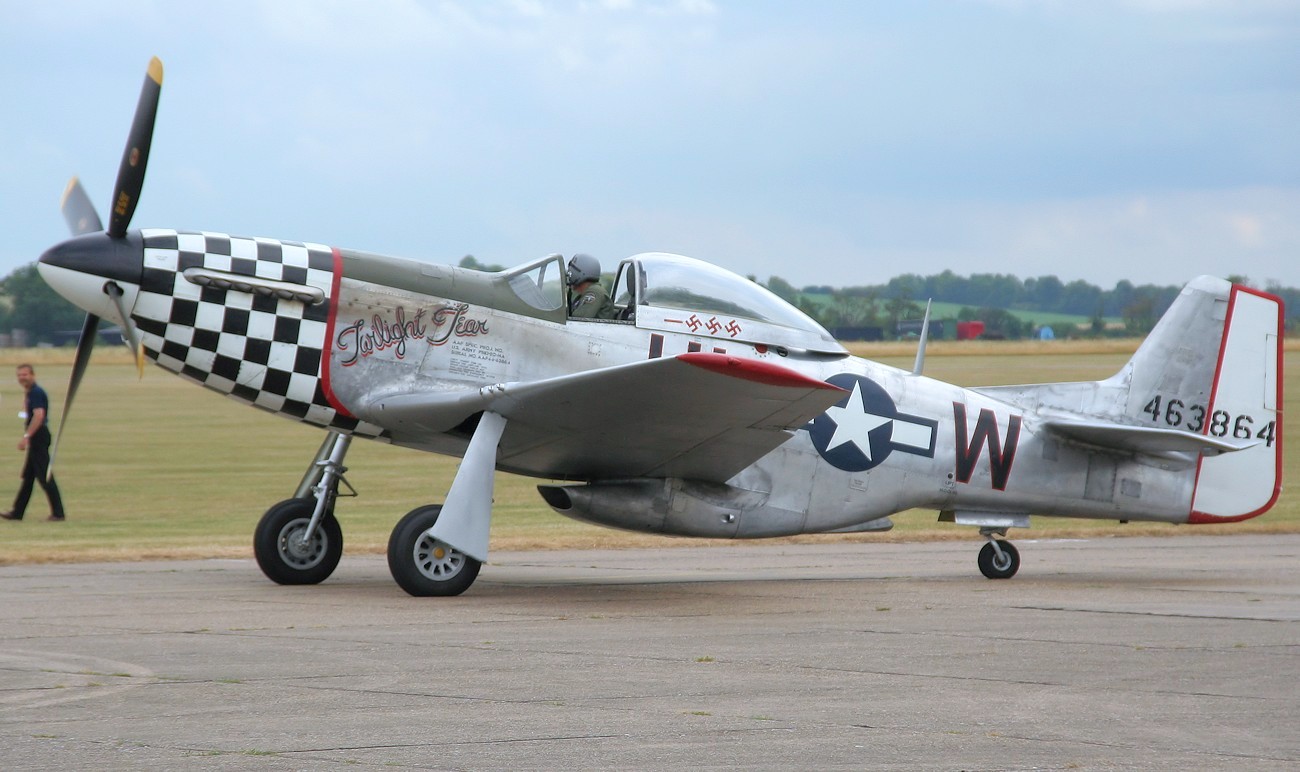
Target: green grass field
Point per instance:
(161, 468)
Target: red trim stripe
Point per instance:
(754, 370)
(328, 348)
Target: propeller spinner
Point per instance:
(95, 260)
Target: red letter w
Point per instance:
(1001, 456)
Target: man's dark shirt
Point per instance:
(37, 399)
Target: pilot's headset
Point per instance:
(583, 268)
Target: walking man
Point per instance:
(36, 442)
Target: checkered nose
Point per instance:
(79, 268)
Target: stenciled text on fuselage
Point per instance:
(362, 339)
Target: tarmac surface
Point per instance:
(1150, 653)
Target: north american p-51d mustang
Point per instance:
(708, 408)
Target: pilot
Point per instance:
(587, 297)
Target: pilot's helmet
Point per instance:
(583, 268)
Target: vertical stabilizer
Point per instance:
(1245, 404)
(1213, 366)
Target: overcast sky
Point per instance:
(823, 142)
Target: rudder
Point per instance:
(1245, 404)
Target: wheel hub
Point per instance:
(299, 553)
(437, 560)
(1001, 560)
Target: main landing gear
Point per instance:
(299, 541)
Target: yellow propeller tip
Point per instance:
(67, 191)
(155, 70)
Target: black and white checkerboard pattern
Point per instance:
(265, 351)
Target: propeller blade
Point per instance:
(130, 175)
(77, 210)
(132, 338)
(85, 344)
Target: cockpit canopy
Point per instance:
(682, 294)
(672, 293)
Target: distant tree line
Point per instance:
(471, 262)
(998, 290)
(990, 297)
(28, 305)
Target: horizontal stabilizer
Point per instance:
(1143, 439)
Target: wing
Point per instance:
(702, 416)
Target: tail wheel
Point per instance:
(423, 565)
(281, 552)
(1003, 566)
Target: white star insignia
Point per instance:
(854, 424)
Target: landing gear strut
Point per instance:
(298, 540)
(438, 549)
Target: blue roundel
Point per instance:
(856, 434)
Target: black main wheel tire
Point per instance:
(424, 566)
(994, 568)
(280, 555)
